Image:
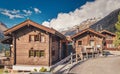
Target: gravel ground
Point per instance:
(108, 65)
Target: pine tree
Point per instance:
(117, 26)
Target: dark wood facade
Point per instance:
(87, 40)
(34, 44)
(109, 39)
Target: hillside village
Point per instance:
(34, 47)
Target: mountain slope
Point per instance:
(85, 24)
(3, 27)
(107, 22)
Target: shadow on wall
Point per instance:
(70, 48)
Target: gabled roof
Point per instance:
(88, 30)
(105, 31)
(29, 22)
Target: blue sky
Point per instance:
(13, 12)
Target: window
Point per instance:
(79, 42)
(109, 37)
(31, 53)
(40, 37)
(110, 46)
(31, 38)
(92, 42)
(42, 53)
(37, 53)
(36, 37)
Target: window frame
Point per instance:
(37, 37)
(79, 44)
(42, 35)
(42, 53)
(30, 38)
(37, 53)
(31, 52)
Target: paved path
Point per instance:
(108, 65)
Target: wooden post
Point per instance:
(14, 48)
(81, 56)
(71, 58)
(93, 53)
(87, 56)
(98, 51)
(50, 50)
(76, 57)
(86, 52)
(60, 57)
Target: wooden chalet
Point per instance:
(109, 38)
(34, 44)
(88, 41)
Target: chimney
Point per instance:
(77, 29)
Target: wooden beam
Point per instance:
(50, 49)
(14, 48)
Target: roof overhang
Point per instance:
(113, 34)
(6, 40)
(88, 30)
(28, 23)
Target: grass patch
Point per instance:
(1, 71)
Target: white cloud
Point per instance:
(37, 10)
(46, 24)
(18, 13)
(14, 11)
(11, 13)
(11, 16)
(98, 8)
(27, 12)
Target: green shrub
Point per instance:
(7, 53)
(35, 70)
(43, 69)
(6, 71)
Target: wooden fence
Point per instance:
(74, 58)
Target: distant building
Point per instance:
(88, 40)
(109, 38)
(34, 44)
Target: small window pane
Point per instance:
(42, 38)
(79, 42)
(31, 38)
(31, 53)
(92, 43)
(37, 53)
(36, 37)
(42, 53)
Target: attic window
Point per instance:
(39, 37)
(42, 37)
(36, 37)
(31, 38)
(79, 42)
